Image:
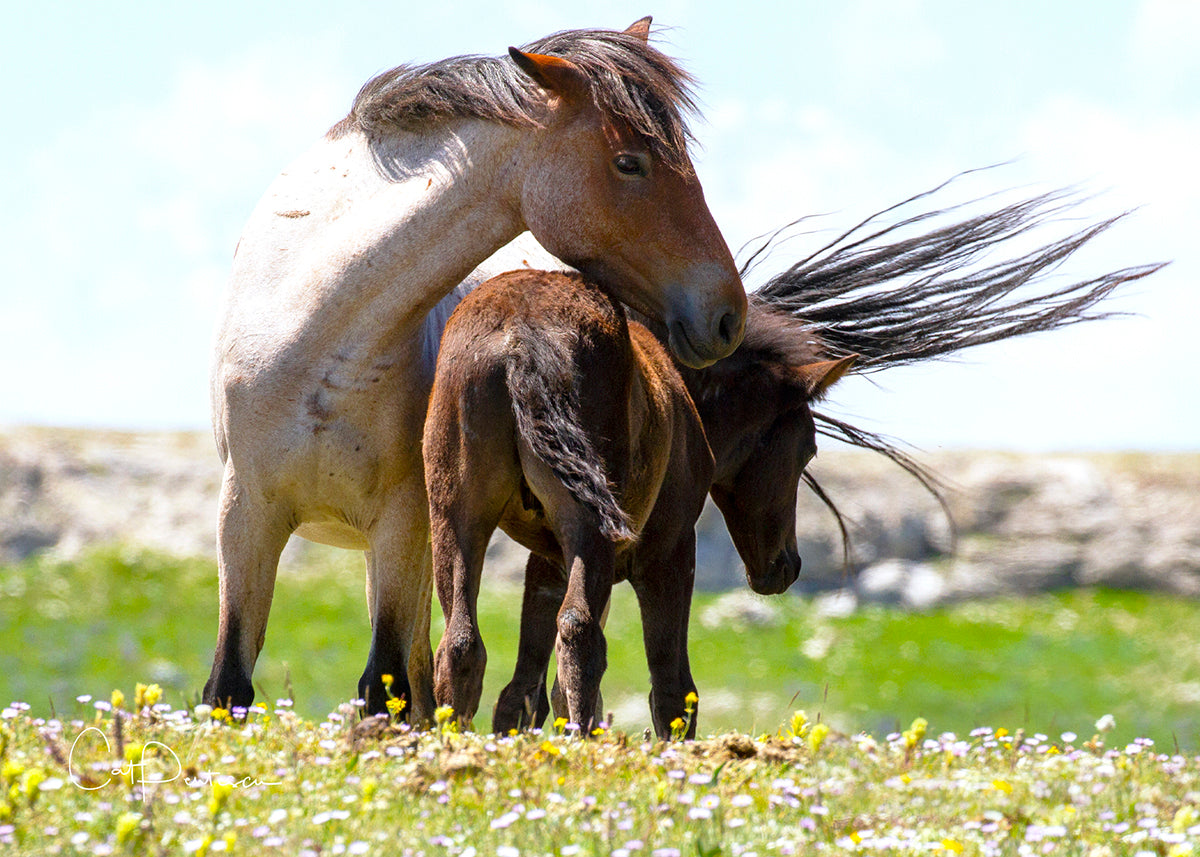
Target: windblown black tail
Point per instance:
(545, 401)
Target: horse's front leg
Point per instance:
(398, 599)
(251, 535)
(664, 591)
(523, 703)
(582, 650)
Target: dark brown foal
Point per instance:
(572, 430)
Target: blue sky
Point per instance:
(139, 135)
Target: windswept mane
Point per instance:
(630, 80)
(896, 298)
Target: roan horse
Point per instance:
(571, 429)
(518, 398)
(320, 378)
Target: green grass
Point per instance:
(1046, 664)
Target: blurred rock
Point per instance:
(1022, 523)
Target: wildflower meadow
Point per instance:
(1065, 724)
(135, 776)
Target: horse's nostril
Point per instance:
(729, 328)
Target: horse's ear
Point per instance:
(819, 377)
(640, 28)
(553, 74)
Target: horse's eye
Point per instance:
(629, 165)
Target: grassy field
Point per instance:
(131, 775)
(981, 729)
(1045, 665)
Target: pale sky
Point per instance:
(138, 136)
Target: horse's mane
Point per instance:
(895, 299)
(927, 296)
(629, 79)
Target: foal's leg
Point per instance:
(398, 599)
(458, 551)
(523, 704)
(558, 698)
(664, 594)
(582, 651)
(250, 537)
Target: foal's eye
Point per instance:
(629, 165)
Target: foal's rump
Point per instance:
(546, 337)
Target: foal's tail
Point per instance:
(541, 384)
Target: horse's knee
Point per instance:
(576, 627)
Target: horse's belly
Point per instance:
(335, 534)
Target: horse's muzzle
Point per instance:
(782, 572)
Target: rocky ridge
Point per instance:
(1022, 523)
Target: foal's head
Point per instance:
(756, 410)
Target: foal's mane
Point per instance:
(630, 81)
(894, 298)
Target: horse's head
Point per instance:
(761, 449)
(610, 190)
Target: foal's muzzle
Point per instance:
(782, 572)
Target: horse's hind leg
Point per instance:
(523, 703)
(398, 600)
(459, 543)
(664, 595)
(250, 537)
(582, 651)
(558, 697)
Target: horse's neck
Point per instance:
(354, 244)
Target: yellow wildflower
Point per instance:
(33, 778)
(220, 796)
(128, 825)
(1002, 786)
(799, 724)
(691, 698)
(953, 846)
(395, 706)
(146, 695)
(443, 714)
(817, 736)
(369, 787)
(118, 699)
(915, 734)
(1185, 817)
